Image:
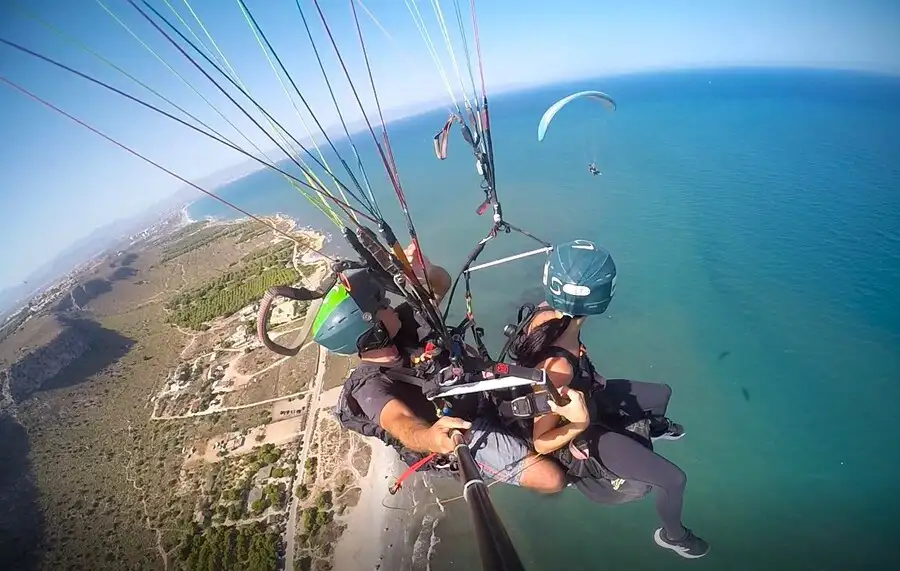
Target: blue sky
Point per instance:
(58, 181)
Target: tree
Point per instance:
(258, 506)
(235, 512)
(324, 500)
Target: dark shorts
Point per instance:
(500, 454)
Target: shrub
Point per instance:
(323, 502)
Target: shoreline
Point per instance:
(365, 542)
(317, 237)
(385, 532)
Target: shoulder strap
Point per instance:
(403, 375)
(559, 352)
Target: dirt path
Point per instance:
(190, 344)
(227, 408)
(312, 413)
(133, 481)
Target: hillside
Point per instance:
(92, 477)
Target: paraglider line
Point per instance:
(315, 200)
(442, 25)
(182, 122)
(478, 48)
(405, 52)
(229, 96)
(306, 104)
(337, 108)
(157, 165)
(84, 47)
(392, 240)
(465, 42)
(179, 76)
(387, 147)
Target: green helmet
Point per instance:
(579, 278)
(345, 322)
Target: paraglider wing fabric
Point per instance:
(551, 111)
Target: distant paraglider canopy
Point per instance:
(551, 111)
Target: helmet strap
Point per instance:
(378, 337)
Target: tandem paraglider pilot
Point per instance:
(356, 318)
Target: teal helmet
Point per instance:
(579, 278)
(345, 322)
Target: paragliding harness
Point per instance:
(350, 415)
(457, 390)
(577, 457)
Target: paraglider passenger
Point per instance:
(397, 412)
(597, 435)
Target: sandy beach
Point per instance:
(364, 543)
(391, 533)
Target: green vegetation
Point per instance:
(282, 472)
(324, 500)
(235, 289)
(244, 548)
(267, 454)
(195, 236)
(235, 511)
(302, 491)
(258, 506)
(274, 494)
(311, 463)
(184, 232)
(314, 519)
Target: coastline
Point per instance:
(366, 540)
(388, 533)
(186, 214)
(317, 238)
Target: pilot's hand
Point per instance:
(412, 255)
(439, 433)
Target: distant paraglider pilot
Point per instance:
(593, 168)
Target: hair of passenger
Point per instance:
(527, 348)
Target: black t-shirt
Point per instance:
(377, 389)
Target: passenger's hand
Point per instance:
(576, 411)
(439, 434)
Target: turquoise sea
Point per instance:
(754, 216)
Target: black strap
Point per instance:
(404, 375)
(555, 351)
(524, 407)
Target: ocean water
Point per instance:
(754, 216)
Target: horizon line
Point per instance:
(420, 110)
